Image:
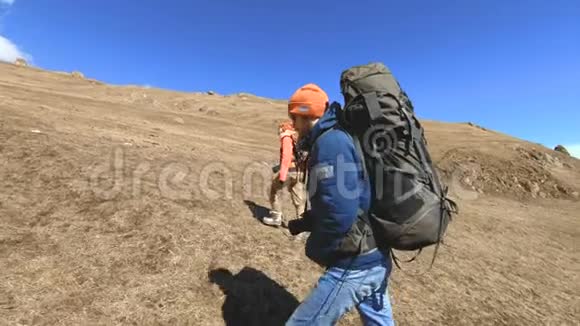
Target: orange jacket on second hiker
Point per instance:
(287, 139)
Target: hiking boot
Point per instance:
(275, 219)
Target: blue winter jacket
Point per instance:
(337, 189)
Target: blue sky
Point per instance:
(513, 66)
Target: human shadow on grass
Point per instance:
(258, 211)
(252, 298)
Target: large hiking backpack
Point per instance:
(410, 208)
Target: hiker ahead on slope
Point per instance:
(357, 273)
(288, 176)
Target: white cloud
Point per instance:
(6, 2)
(574, 150)
(9, 51)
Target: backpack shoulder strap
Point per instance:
(372, 103)
(360, 153)
(358, 147)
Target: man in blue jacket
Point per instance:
(356, 271)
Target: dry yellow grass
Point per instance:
(106, 217)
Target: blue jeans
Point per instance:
(340, 290)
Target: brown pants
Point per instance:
(295, 187)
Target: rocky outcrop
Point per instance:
(471, 124)
(21, 62)
(77, 74)
(562, 149)
(528, 175)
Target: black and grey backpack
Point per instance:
(410, 209)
